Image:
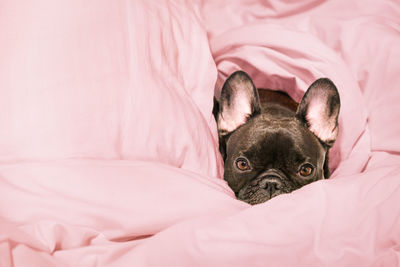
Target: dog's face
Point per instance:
(270, 150)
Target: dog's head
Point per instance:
(268, 152)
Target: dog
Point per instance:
(270, 144)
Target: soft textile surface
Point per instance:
(108, 148)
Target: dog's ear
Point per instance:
(239, 101)
(319, 109)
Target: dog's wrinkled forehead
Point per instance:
(277, 138)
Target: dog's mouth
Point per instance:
(262, 189)
(254, 195)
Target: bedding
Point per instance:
(108, 147)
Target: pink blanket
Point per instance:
(108, 148)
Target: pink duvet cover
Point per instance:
(108, 148)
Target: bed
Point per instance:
(108, 147)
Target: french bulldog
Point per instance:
(270, 144)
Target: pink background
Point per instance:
(108, 148)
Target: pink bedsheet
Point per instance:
(108, 148)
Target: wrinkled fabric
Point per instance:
(108, 147)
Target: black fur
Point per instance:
(275, 141)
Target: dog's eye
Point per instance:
(242, 164)
(306, 169)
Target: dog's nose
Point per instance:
(271, 185)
